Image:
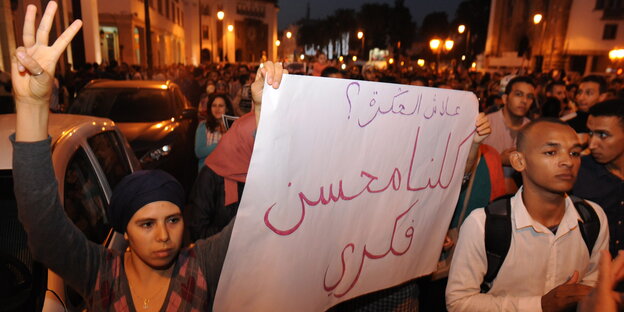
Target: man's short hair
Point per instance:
(330, 70)
(518, 79)
(600, 80)
(609, 108)
(550, 86)
(522, 134)
(422, 79)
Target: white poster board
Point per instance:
(351, 189)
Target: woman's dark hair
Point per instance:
(212, 124)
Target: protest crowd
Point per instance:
(537, 222)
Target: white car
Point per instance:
(90, 156)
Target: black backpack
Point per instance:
(498, 233)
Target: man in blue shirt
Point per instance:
(601, 176)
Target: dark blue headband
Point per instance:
(139, 189)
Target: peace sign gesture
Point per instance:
(33, 65)
(32, 73)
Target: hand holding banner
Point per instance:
(351, 188)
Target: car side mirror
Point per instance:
(189, 113)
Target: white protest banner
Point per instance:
(351, 189)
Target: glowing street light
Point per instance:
(391, 61)
(448, 45)
(301, 57)
(360, 36)
(461, 29)
(289, 35)
(220, 15)
(537, 18)
(343, 66)
(277, 43)
(354, 58)
(230, 28)
(341, 59)
(616, 55)
(434, 44)
(420, 62)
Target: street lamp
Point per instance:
(277, 43)
(354, 58)
(289, 35)
(360, 36)
(616, 56)
(230, 28)
(420, 62)
(537, 19)
(434, 45)
(222, 48)
(448, 45)
(463, 29)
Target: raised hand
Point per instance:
(32, 73)
(604, 298)
(483, 128)
(271, 73)
(33, 65)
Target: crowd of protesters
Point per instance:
(558, 249)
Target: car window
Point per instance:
(85, 202)
(179, 99)
(109, 152)
(124, 105)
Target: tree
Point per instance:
(401, 28)
(475, 14)
(383, 27)
(373, 19)
(435, 25)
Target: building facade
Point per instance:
(231, 30)
(575, 35)
(123, 37)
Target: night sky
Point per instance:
(292, 10)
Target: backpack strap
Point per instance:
(498, 233)
(590, 226)
(497, 238)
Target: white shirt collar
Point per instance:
(523, 219)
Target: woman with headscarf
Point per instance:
(156, 272)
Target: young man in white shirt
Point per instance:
(548, 266)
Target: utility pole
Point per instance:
(148, 39)
(201, 35)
